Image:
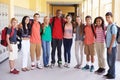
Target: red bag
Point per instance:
(4, 36)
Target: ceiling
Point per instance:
(64, 3)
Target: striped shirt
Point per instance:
(100, 35)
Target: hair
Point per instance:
(88, 16)
(81, 26)
(109, 14)
(36, 14)
(45, 18)
(13, 19)
(68, 16)
(23, 24)
(58, 10)
(103, 22)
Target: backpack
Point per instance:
(118, 33)
(4, 36)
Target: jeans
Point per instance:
(67, 48)
(46, 52)
(111, 58)
(56, 43)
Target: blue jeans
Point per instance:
(67, 48)
(46, 52)
(111, 58)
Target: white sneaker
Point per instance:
(66, 64)
(39, 66)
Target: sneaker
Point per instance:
(52, 65)
(39, 66)
(100, 71)
(92, 68)
(108, 76)
(66, 64)
(15, 71)
(24, 69)
(32, 67)
(60, 65)
(77, 66)
(46, 66)
(85, 67)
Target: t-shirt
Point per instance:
(25, 34)
(46, 36)
(78, 36)
(35, 33)
(68, 32)
(89, 36)
(57, 30)
(109, 35)
(13, 38)
(100, 33)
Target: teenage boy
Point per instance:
(35, 42)
(111, 45)
(89, 44)
(57, 36)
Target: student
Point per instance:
(46, 39)
(25, 35)
(35, 42)
(67, 40)
(79, 45)
(100, 43)
(111, 45)
(89, 44)
(12, 45)
(57, 23)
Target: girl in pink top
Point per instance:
(67, 40)
(100, 43)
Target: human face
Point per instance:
(59, 13)
(36, 17)
(69, 19)
(88, 21)
(78, 20)
(14, 23)
(46, 20)
(27, 20)
(109, 19)
(98, 22)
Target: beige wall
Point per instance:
(65, 9)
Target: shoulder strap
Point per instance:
(93, 30)
(12, 32)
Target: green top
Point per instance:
(47, 36)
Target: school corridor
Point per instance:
(82, 8)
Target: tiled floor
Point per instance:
(54, 74)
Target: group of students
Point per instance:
(89, 37)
